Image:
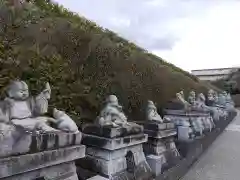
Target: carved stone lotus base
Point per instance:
(116, 158)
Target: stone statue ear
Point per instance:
(10, 93)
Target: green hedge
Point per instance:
(83, 62)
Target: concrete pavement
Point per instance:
(222, 160)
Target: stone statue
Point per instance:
(221, 99)
(112, 114)
(200, 104)
(192, 97)
(181, 99)
(152, 114)
(21, 109)
(64, 122)
(212, 98)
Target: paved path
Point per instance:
(222, 160)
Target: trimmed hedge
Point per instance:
(83, 62)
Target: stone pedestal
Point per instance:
(116, 154)
(49, 156)
(190, 125)
(160, 149)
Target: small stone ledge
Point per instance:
(115, 143)
(111, 132)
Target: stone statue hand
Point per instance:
(47, 91)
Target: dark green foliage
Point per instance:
(84, 63)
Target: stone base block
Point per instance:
(112, 166)
(156, 126)
(111, 132)
(185, 133)
(141, 172)
(115, 143)
(116, 158)
(18, 142)
(152, 149)
(111, 155)
(156, 163)
(162, 133)
(24, 164)
(65, 171)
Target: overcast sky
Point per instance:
(192, 34)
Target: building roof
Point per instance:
(216, 69)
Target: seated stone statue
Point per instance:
(214, 110)
(192, 97)
(210, 97)
(26, 111)
(112, 114)
(180, 98)
(152, 114)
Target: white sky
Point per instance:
(192, 34)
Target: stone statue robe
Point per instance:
(113, 113)
(26, 113)
(152, 115)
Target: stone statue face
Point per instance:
(18, 90)
(210, 92)
(191, 97)
(224, 93)
(192, 93)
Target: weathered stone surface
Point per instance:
(162, 133)
(97, 178)
(185, 133)
(112, 166)
(28, 112)
(141, 172)
(111, 155)
(113, 144)
(64, 171)
(155, 150)
(156, 163)
(151, 113)
(23, 143)
(111, 132)
(21, 164)
(115, 157)
(154, 126)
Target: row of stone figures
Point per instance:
(36, 146)
(198, 115)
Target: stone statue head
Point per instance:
(201, 97)
(224, 93)
(178, 95)
(192, 97)
(182, 94)
(210, 92)
(192, 93)
(151, 105)
(112, 99)
(18, 90)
